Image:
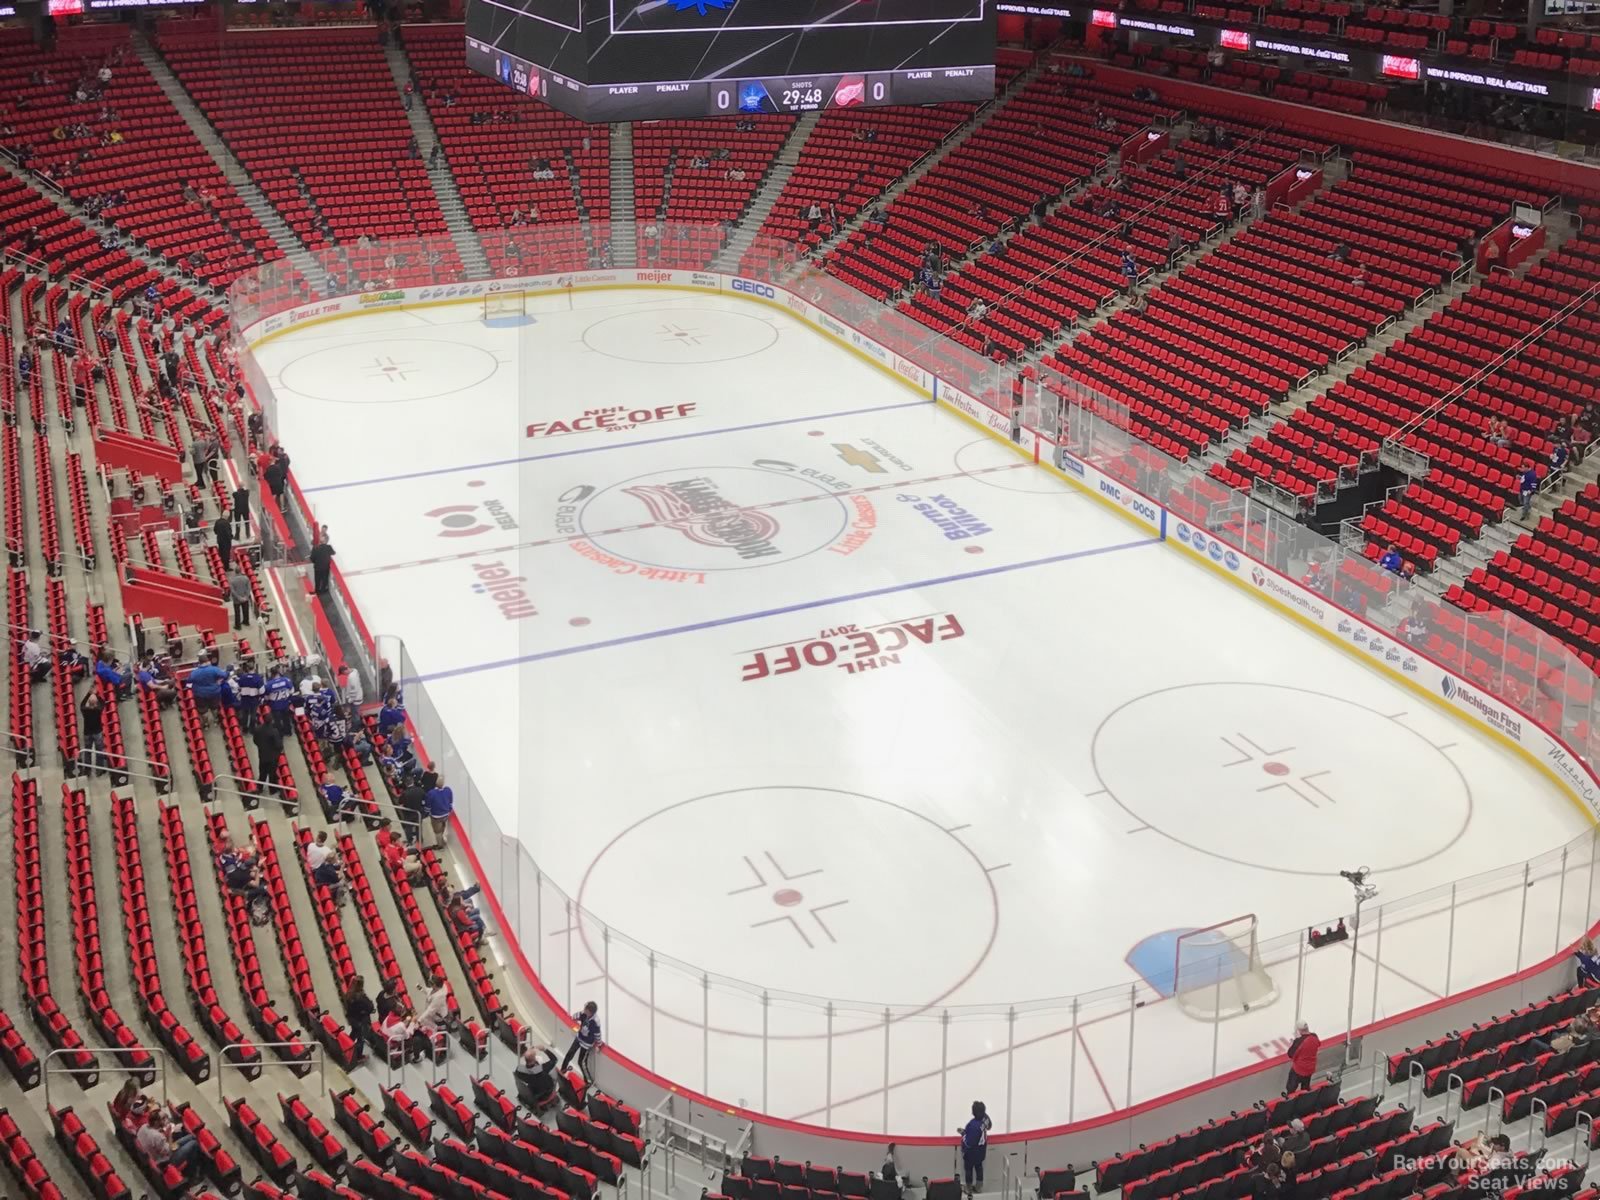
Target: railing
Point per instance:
(1394, 449)
(144, 1075)
(226, 1054)
(781, 1051)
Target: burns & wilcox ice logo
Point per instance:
(697, 509)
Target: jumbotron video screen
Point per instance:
(628, 60)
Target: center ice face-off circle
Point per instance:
(389, 371)
(1282, 778)
(790, 894)
(680, 335)
(714, 518)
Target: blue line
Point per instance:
(613, 445)
(787, 608)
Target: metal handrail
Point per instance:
(1528, 339)
(1489, 1108)
(1155, 205)
(317, 1052)
(1582, 1120)
(144, 1074)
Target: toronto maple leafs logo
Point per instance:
(700, 6)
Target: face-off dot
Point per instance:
(814, 433)
(476, 482)
(1275, 768)
(786, 897)
(974, 549)
(578, 621)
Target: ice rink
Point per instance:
(791, 676)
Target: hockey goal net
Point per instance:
(505, 306)
(1217, 971)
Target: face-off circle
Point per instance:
(1306, 775)
(714, 518)
(680, 335)
(790, 891)
(389, 371)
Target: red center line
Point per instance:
(588, 534)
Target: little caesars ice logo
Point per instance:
(696, 509)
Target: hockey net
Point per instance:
(505, 304)
(1217, 971)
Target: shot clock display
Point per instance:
(623, 60)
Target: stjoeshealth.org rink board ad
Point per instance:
(1362, 639)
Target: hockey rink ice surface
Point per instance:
(756, 709)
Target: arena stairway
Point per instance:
(761, 204)
(238, 178)
(462, 231)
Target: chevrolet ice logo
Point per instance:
(700, 6)
(857, 457)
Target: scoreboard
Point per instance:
(625, 60)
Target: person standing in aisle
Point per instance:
(321, 563)
(586, 1041)
(1302, 1058)
(243, 598)
(223, 528)
(975, 1146)
(441, 803)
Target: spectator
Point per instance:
(1180, 167)
(891, 1170)
(279, 692)
(322, 860)
(239, 590)
(241, 510)
(1527, 487)
(276, 475)
(1220, 208)
(1174, 246)
(350, 689)
(586, 1040)
(389, 1003)
(1130, 269)
(251, 687)
(413, 803)
(93, 754)
(269, 751)
(358, 1010)
(977, 311)
(34, 658)
(399, 860)
(441, 803)
(435, 1015)
(391, 715)
(242, 874)
(1390, 560)
(1588, 963)
(1241, 198)
(1340, 253)
(535, 1077)
(121, 1105)
(464, 915)
(222, 528)
(322, 555)
(1297, 1140)
(205, 684)
(108, 670)
(164, 1147)
(1558, 462)
(975, 1147)
(1302, 1057)
(342, 733)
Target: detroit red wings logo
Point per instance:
(696, 509)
